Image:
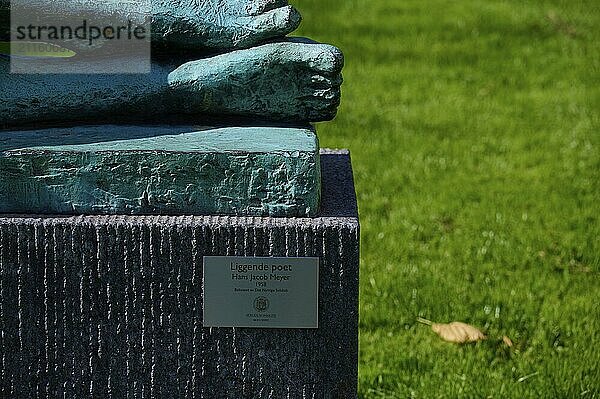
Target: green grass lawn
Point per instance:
(474, 128)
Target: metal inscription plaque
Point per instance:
(261, 292)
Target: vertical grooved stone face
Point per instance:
(111, 306)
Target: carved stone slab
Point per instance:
(243, 171)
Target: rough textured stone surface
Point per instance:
(152, 170)
(112, 306)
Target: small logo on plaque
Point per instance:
(261, 304)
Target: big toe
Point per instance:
(324, 58)
(257, 7)
(275, 23)
(320, 58)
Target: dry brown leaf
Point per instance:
(507, 341)
(456, 332)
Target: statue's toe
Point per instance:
(328, 98)
(257, 7)
(325, 82)
(321, 104)
(322, 112)
(325, 58)
(273, 23)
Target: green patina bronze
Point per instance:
(288, 81)
(256, 171)
(200, 24)
(218, 58)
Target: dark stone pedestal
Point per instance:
(111, 306)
